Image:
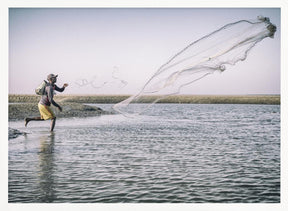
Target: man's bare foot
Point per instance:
(27, 120)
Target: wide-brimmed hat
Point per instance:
(51, 76)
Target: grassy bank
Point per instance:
(195, 99)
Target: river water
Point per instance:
(175, 153)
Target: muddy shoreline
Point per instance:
(20, 111)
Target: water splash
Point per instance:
(225, 46)
(99, 82)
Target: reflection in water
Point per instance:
(45, 171)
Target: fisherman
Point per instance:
(46, 100)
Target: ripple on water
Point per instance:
(219, 154)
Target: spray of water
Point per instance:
(213, 52)
(99, 82)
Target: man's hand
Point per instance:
(65, 85)
(60, 108)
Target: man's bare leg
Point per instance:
(53, 121)
(27, 120)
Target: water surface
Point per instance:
(175, 153)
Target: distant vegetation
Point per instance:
(21, 106)
(194, 99)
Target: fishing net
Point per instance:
(213, 52)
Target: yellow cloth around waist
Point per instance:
(45, 112)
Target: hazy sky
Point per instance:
(115, 51)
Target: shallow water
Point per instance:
(175, 153)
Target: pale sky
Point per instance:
(115, 51)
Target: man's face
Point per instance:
(53, 80)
